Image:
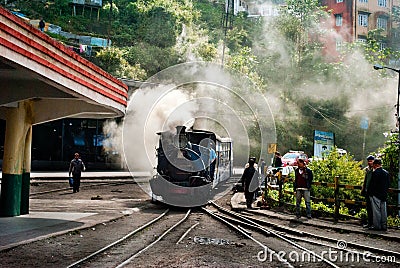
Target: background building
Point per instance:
(353, 19)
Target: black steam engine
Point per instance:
(190, 163)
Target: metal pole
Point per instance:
(398, 139)
(363, 146)
(379, 67)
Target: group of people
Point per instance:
(302, 182)
(375, 188)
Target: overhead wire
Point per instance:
(325, 117)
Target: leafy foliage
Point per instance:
(112, 61)
(390, 157)
(155, 34)
(332, 165)
(151, 58)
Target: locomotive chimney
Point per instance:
(180, 130)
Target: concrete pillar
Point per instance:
(16, 160)
(26, 173)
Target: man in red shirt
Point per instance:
(302, 186)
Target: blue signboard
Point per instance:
(364, 123)
(323, 142)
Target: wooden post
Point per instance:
(279, 179)
(337, 203)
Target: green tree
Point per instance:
(245, 62)
(390, 157)
(210, 18)
(158, 28)
(151, 58)
(112, 60)
(332, 165)
(298, 22)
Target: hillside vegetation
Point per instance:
(284, 56)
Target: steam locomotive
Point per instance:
(190, 164)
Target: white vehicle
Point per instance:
(341, 151)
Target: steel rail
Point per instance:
(127, 261)
(119, 240)
(244, 233)
(328, 239)
(274, 233)
(185, 234)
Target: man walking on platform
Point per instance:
(76, 167)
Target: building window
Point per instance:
(381, 23)
(362, 40)
(363, 20)
(363, 1)
(339, 1)
(382, 3)
(382, 45)
(338, 19)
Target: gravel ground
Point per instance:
(209, 244)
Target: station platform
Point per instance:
(69, 213)
(88, 175)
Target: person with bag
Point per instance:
(250, 181)
(76, 167)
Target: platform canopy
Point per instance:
(58, 82)
(43, 80)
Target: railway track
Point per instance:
(300, 235)
(84, 185)
(341, 247)
(177, 236)
(266, 249)
(122, 250)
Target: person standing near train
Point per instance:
(76, 167)
(378, 193)
(213, 158)
(367, 179)
(302, 186)
(250, 181)
(277, 160)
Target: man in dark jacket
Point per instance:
(367, 179)
(42, 24)
(76, 167)
(377, 190)
(302, 186)
(250, 181)
(277, 160)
